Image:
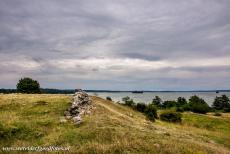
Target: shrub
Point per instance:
(198, 105)
(179, 109)
(187, 107)
(151, 112)
(169, 104)
(171, 116)
(226, 109)
(128, 101)
(181, 101)
(28, 85)
(124, 99)
(108, 98)
(221, 103)
(200, 108)
(141, 107)
(157, 101)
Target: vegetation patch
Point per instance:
(10, 106)
(222, 103)
(169, 104)
(28, 85)
(128, 101)
(207, 122)
(179, 109)
(108, 98)
(41, 103)
(198, 105)
(111, 128)
(151, 112)
(141, 107)
(171, 116)
(18, 131)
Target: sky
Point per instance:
(116, 45)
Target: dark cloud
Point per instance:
(150, 44)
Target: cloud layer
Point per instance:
(120, 45)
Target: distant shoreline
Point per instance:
(67, 91)
(159, 91)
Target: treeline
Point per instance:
(194, 104)
(30, 86)
(42, 90)
(172, 108)
(8, 91)
(57, 91)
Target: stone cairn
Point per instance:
(81, 105)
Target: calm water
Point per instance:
(147, 97)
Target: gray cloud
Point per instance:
(150, 44)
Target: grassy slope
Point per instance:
(111, 128)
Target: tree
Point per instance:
(108, 98)
(28, 85)
(141, 107)
(128, 101)
(198, 105)
(169, 104)
(151, 112)
(171, 116)
(181, 101)
(157, 101)
(221, 102)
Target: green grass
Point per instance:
(218, 128)
(34, 120)
(207, 122)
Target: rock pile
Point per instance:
(81, 105)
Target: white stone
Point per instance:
(77, 119)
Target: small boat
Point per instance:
(137, 92)
(217, 92)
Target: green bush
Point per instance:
(198, 105)
(141, 107)
(28, 85)
(181, 101)
(221, 103)
(157, 101)
(187, 107)
(108, 98)
(171, 116)
(128, 101)
(151, 112)
(226, 109)
(169, 104)
(179, 109)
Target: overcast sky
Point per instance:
(116, 45)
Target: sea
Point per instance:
(146, 97)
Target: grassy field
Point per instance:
(37, 120)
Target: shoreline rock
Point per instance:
(81, 105)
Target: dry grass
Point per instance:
(111, 128)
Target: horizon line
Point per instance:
(106, 90)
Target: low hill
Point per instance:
(37, 120)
